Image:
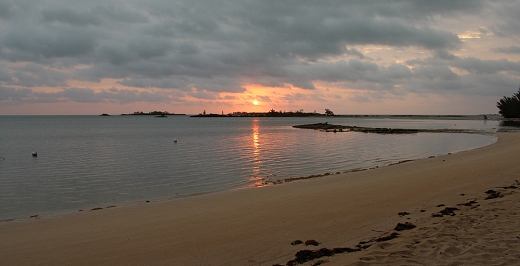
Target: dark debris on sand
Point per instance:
(296, 242)
(447, 211)
(405, 226)
(468, 204)
(304, 256)
(312, 242)
(388, 237)
(492, 194)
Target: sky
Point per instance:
(352, 57)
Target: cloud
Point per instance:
(14, 95)
(4, 75)
(202, 94)
(355, 52)
(70, 16)
(182, 32)
(83, 95)
(34, 75)
(476, 65)
(265, 99)
(508, 50)
(506, 13)
(157, 48)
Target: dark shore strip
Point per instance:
(378, 130)
(291, 179)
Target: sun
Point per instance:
(255, 102)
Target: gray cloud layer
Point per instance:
(200, 47)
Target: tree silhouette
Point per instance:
(328, 112)
(509, 107)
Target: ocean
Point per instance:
(85, 162)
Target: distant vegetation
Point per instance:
(509, 107)
(153, 113)
(271, 113)
(328, 112)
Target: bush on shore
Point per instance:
(509, 107)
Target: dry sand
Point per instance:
(257, 226)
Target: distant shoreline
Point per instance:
(150, 113)
(492, 117)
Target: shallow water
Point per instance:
(90, 161)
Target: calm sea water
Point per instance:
(91, 161)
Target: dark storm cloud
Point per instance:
(205, 47)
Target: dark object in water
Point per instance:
(35, 154)
(403, 213)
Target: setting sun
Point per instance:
(255, 102)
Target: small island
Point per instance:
(155, 113)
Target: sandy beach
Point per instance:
(349, 216)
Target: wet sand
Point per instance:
(257, 226)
